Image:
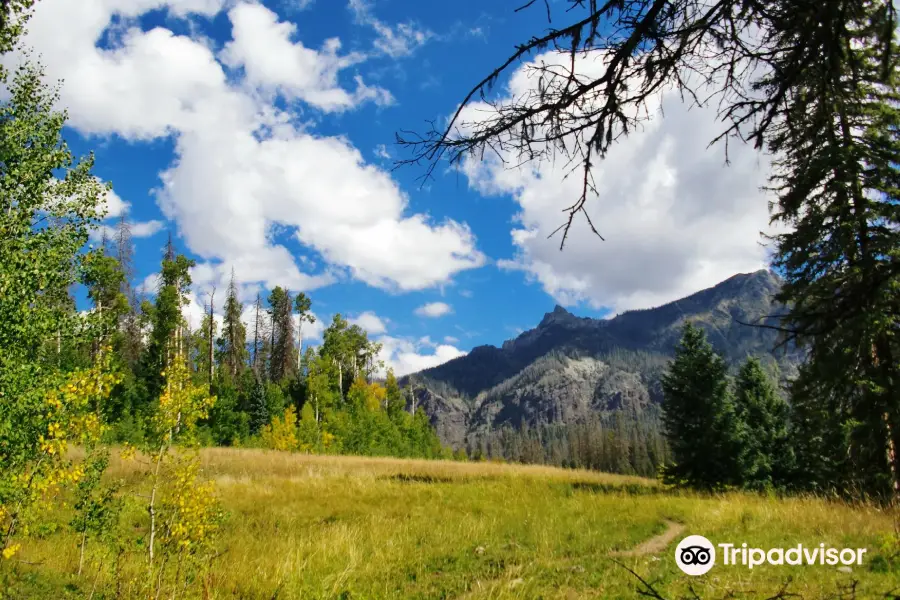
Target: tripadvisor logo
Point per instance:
(696, 555)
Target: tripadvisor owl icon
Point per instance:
(695, 555)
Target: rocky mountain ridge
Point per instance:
(569, 367)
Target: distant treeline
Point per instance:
(615, 442)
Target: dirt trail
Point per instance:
(657, 543)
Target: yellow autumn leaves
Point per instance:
(181, 404)
(191, 507)
(281, 433)
(70, 414)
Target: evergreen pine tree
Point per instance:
(393, 397)
(201, 342)
(836, 180)
(281, 359)
(698, 415)
(764, 456)
(260, 357)
(131, 342)
(232, 344)
(821, 431)
(258, 407)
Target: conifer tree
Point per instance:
(698, 415)
(836, 179)
(260, 337)
(232, 344)
(393, 396)
(131, 342)
(822, 430)
(200, 343)
(765, 455)
(124, 253)
(281, 360)
(258, 408)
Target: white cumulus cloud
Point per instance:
(246, 171)
(263, 47)
(434, 310)
(675, 218)
(370, 322)
(114, 205)
(407, 356)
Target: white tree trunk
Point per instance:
(299, 346)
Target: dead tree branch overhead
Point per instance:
(746, 57)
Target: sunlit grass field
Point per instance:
(363, 528)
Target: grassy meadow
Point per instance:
(302, 526)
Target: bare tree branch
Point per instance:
(728, 52)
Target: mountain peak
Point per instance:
(764, 280)
(558, 315)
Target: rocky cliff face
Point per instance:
(569, 367)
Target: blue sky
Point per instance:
(261, 135)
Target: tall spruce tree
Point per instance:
(123, 247)
(838, 188)
(765, 455)
(257, 407)
(259, 359)
(820, 427)
(131, 340)
(232, 344)
(393, 396)
(200, 347)
(281, 359)
(698, 415)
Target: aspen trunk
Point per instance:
(893, 458)
(211, 333)
(299, 346)
(256, 338)
(81, 555)
(152, 509)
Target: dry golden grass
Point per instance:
(269, 463)
(345, 527)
